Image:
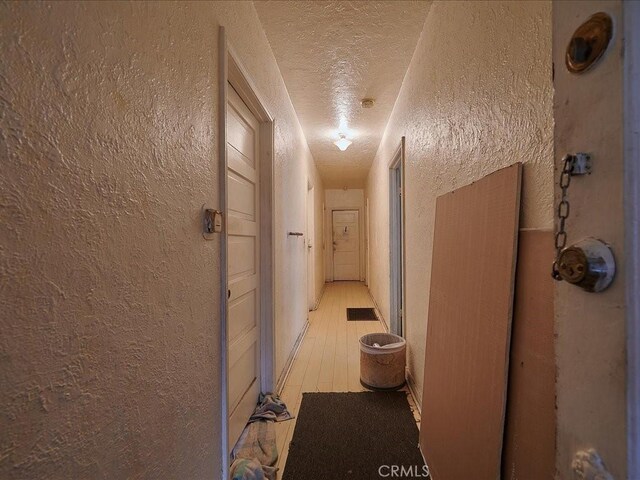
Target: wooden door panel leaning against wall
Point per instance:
(469, 327)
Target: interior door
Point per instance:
(346, 245)
(243, 266)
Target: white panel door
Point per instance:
(346, 245)
(243, 272)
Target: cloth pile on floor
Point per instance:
(255, 455)
(270, 407)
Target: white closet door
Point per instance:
(243, 240)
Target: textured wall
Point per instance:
(471, 102)
(590, 328)
(109, 353)
(294, 168)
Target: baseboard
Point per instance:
(411, 384)
(315, 307)
(296, 346)
(378, 312)
(294, 352)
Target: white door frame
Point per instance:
(310, 244)
(231, 71)
(397, 275)
(367, 230)
(631, 26)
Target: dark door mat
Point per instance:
(356, 314)
(354, 436)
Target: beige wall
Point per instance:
(471, 102)
(291, 177)
(343, 199)
(109, 353)
(590, 328)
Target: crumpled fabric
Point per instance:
(251, 469)
(270, 407)
(258, 441)
(256, 452)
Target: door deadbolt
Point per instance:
(588, 264)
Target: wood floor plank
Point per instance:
(312, 373)
(329, 355)
(340, 375)
(353, 357)
(282, 430)
(299, 367)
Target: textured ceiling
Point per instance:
(331, 55)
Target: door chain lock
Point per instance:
(589, 263)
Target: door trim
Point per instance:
(397, 269)
(367, 233)
(232, 71)
(631, 24)
(311, 246)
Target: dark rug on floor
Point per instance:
(355, 314)
(354, 436)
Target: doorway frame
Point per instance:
(231, 71)
(397, 263)
(311, 234)
(631, 196)
(367, 228)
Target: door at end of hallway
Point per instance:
(346, 245)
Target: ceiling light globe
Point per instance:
(343, 143)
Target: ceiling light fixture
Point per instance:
(342, 143)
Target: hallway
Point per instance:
(183, 181)
(328, 359)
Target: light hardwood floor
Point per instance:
(328, 359)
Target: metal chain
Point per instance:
(563, 212)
